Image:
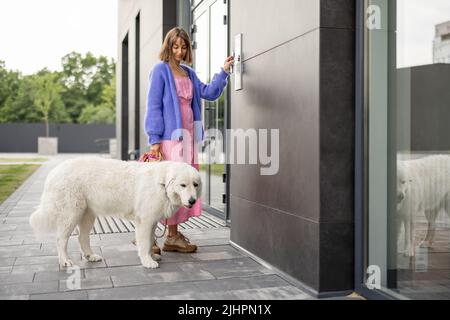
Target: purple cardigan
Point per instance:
(163, 116)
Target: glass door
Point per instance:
(210, 34)
(403, 225)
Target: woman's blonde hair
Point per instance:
(170, 40)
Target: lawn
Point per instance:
(217, 169)
(12, 177)
(23, 160)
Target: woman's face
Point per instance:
(179, 50)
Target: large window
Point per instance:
(406, 153)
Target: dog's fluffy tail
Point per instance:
(42, 222)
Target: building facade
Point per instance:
(321, 74)
(441, 51)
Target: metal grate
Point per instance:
(107, 225)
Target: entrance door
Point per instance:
(210, 35)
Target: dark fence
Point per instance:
(72, 138)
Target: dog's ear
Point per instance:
(166, 176)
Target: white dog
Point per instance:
(423, 187)
(78, 190)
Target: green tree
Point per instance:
(105, 112)
(84, 79)
(86, 82)
(48, 100)
(9, 87)
(19, 106)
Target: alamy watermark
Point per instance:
(373, 21)
(245, 147)
(374, 277)
(73, 282)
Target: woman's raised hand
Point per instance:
(228, 62)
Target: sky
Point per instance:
(37, 33)
(416, 20)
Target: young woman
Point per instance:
(173, 121)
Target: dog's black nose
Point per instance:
(192, 201)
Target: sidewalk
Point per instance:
(29, 267)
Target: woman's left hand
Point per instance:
(228, 62)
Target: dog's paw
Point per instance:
(156, 257)
(149, 263)
(93, 257)
(66, 263)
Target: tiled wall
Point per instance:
(299, 78)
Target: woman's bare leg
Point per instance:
(172, 230)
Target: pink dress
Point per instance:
(183, 151)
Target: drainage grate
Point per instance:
(107, 225)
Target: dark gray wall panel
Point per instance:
(337, 14)
(337, 134)
(286, 241)
(273, 23)
(291, 104)
(336, 258)
(298, 77)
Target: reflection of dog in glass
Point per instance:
(423, 187)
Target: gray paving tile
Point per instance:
(8, 227)
(130, 279)
(36, 260)
(5, 269)
(187, 289)
(28, 288)
(275, 293)
(16, 278)
(17, 220)
(23, 251)
(47, 241)
(53, 267)
(126, 259)
(6, 262)
(118, 271)
(85, 265)
(69, 295)
(50, 250)
(86, 284)
(46, 276)
(23, 227)
(175, 257)
(218, 248)
(15, 297)
(219, 255)
(7, 243)
(222, 269)
(19, 214)
(212, 242)
(117, 238)
(111, 249)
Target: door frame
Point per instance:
(361, 159)
(227, 121)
